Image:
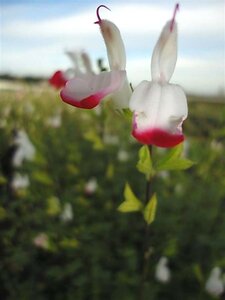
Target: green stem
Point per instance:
(146, 242)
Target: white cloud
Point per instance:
(130, 18)
(194, 75)
(38, 45)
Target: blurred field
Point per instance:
(94, 252)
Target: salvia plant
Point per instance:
(156, 110)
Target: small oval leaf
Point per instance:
(131, 203)
(150, 209)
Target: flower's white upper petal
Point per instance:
(164, 55)
(88, 84)
(114, 44)
(173, 107)
(86, 62)
(146, 99)
(75, 57)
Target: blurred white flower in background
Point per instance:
(123, 155)
(91, 186)
(67, 213)
(28, 108)
(20, 181)
(54, 121)
(162, 273)
(25, 149)
(216, 146)
(82, 63)
(214, 285)
(41, 241)
(110, 139)
(164, 174)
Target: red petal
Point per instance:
(158, 137)
(88, 103)
(58, 80)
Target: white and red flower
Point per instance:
(159, 108)
(87, 90)
(58, 79)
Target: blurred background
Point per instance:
(63, 170)
(35, 34)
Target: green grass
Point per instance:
(97, 254)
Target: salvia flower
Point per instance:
(58, 79)
(91, 186)
(20, 181)
(162, 272)
(159, 108)
(25, 149)
(81, 63)
(214, 285)
(67, 213)
(87, 90)
(41, 241)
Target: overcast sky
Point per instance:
(35, 34)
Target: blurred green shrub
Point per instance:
(96, 252)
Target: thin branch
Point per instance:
(146, 242)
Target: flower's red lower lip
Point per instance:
(58, 80)
(158, 137)
(87, 103)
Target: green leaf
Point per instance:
(71, 169)
(3, 213)
(127, 113)
(131, 203)
(3, 180)
(198, 273)
(173, 160)
(150, 209)
(92, 137)
(40, 160)
(110, 171)
(42, 177)
(53, 206)
(144, 164)
(171, 248)
(69, 243)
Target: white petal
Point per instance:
(74, 56)
(173, 108)
(86, 62)
(20, 181)
(114, 44)
(162, 271)
(86, 91)
(159, 106)
(214, 284)
(164, 55)
(145, 101)
(89, 84)
(121, 98)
